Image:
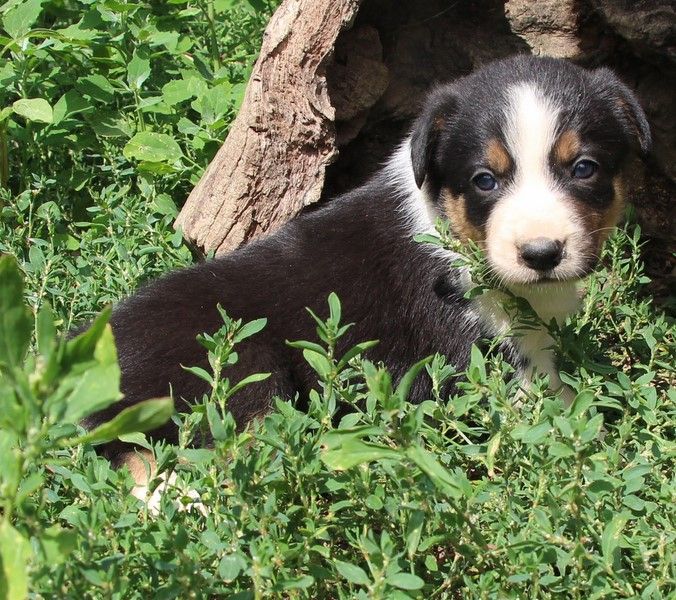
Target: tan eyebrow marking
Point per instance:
(567, 147)
(497, 157)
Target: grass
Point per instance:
(469, 496)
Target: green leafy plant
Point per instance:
(109, 113)
(43, 397)
(468, 494)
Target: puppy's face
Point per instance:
(526, 157)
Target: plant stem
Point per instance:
(139, 112)
(4, 159)
(213, 45)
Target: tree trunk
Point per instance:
(274, 159)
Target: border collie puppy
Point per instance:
(526, 157)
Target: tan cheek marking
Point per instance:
(611, 216)
(497, 157)
(456, 211)
(600, 223)
(567, 147)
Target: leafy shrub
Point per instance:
(493, 492)
(111, 111)
(42, 399)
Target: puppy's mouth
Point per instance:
(524, 276)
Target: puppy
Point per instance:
(526, 156)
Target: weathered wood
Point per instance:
(274, 159)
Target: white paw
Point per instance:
(187, 500)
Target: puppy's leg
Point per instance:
(143, 469)
(142, 466)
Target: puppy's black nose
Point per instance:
(541, 254)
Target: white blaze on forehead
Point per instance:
(531, 131)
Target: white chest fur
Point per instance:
(533, 342)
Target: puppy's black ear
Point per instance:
(437, 111)
(627, 109)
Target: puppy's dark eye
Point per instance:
(485, 182)
(584, 169)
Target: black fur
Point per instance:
(359, 246)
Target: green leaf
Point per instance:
(57, 543)
(491, 450)
(201, 373)
(109, 123)
(34, 109)
(255, 378)
(303, 345)
(297, 583)
(352, 573)
(592, 429)
(452, 485)
(414, 531)
(86, 29)
(45, 331)
(337, 437)
(98, 387)
(138, 69)
(164, 205)
(335, 311)
(356, 350)
(477, 365)
(318, 362)
(536, 433)
(96, 87)
(581, 403)
(180, 90)
(5, 113)
(137, 438)
(69, 104)
(230, 566)
(249, 329)
(144, 416)
(564, 426)
(19, 20)
(10, 457)
(257, 5)
(152, 147)
(218, 429)
(404, 386)
(355, 452)
(405, 581)
(213, 103)
(612, 534)
(81, 348)
(428, 238)
(16, 322)
(168, 39)
(560, 450)
(15, 552)
(7, 74)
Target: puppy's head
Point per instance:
(526, 157)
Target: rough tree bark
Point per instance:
(338, 81)
(274, 158)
